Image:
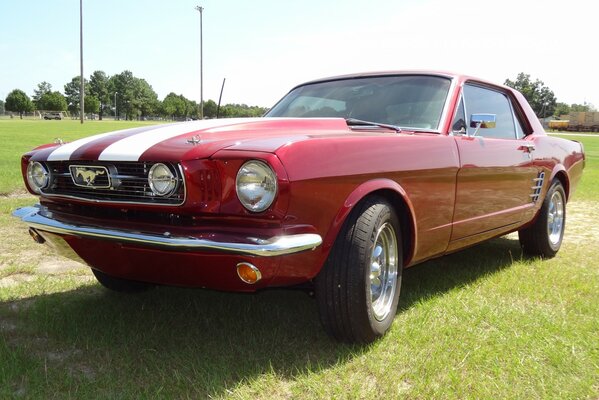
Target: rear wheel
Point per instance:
(358, 288)
(544, 237)
(119, 284)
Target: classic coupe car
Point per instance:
(345, 182)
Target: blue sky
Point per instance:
(264, 47)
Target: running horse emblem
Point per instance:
(87, 175)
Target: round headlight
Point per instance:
(256, 186)
(162, 180)
(37, 176)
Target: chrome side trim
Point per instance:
(38, 218)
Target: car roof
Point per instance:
(445, 74)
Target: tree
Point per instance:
(42, 88)
(136, 98)
(241, 110)
(210, 109)
(561, 109)
(52, 101)
(540, 97)
(92, 104)
(174, 106)
(72, 90)
(18, 101)
(585, 107)
(1, 106)
(98, 87)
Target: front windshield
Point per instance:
(408, 101)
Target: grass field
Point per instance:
(482, 323)
(18, 137)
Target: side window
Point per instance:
(481, 100)
(459, 120)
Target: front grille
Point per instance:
(124, 182)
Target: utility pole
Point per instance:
(82, 88)
(200, 9)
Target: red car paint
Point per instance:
(452, 191)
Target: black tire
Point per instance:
(119, 284)
(344, 287)
(544, 237)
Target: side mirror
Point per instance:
(482, 121)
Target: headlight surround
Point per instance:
(38, 176)
(256, 185)
(162, 180)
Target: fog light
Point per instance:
(248, 273)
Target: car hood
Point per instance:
(192, 140)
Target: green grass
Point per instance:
(589, 186)
(482, 323)
(20, 136)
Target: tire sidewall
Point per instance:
(555, 187)
(385, 215)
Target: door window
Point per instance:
(479, 100)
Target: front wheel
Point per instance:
(544, 237)
(358, 288)
(119, 284)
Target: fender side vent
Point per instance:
(537, 186)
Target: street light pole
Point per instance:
(82, 88)
(115, 93)
(200, 9)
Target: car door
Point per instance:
(496, 176)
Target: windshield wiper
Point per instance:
(361, 122)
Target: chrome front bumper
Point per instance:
(40, 219)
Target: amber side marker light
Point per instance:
(248, 273)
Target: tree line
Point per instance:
(133, 98)
(122, 95)
(542, 99)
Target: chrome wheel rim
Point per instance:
(555, 218)
(383, 272)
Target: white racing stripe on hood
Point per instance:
(132, 147)
(63, 153)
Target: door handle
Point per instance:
(529, 147)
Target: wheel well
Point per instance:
(405, 220)
(561, 176)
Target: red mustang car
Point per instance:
(344, 183)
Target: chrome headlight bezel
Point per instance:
(38, 176)
(256, 186)
(162, 180)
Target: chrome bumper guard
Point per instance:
(38, 218)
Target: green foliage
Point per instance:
(135, 98)
(210, 109)
(565, 109)
(18, 101)
(174, 106)
(92, 104)
(42, 88)
(72, 92)
(241, 110)
(585, 107)
(540, 97)
(52, 101)
(99, 88)
(1, 106)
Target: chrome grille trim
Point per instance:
(129, 184)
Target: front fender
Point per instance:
(387, 188)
